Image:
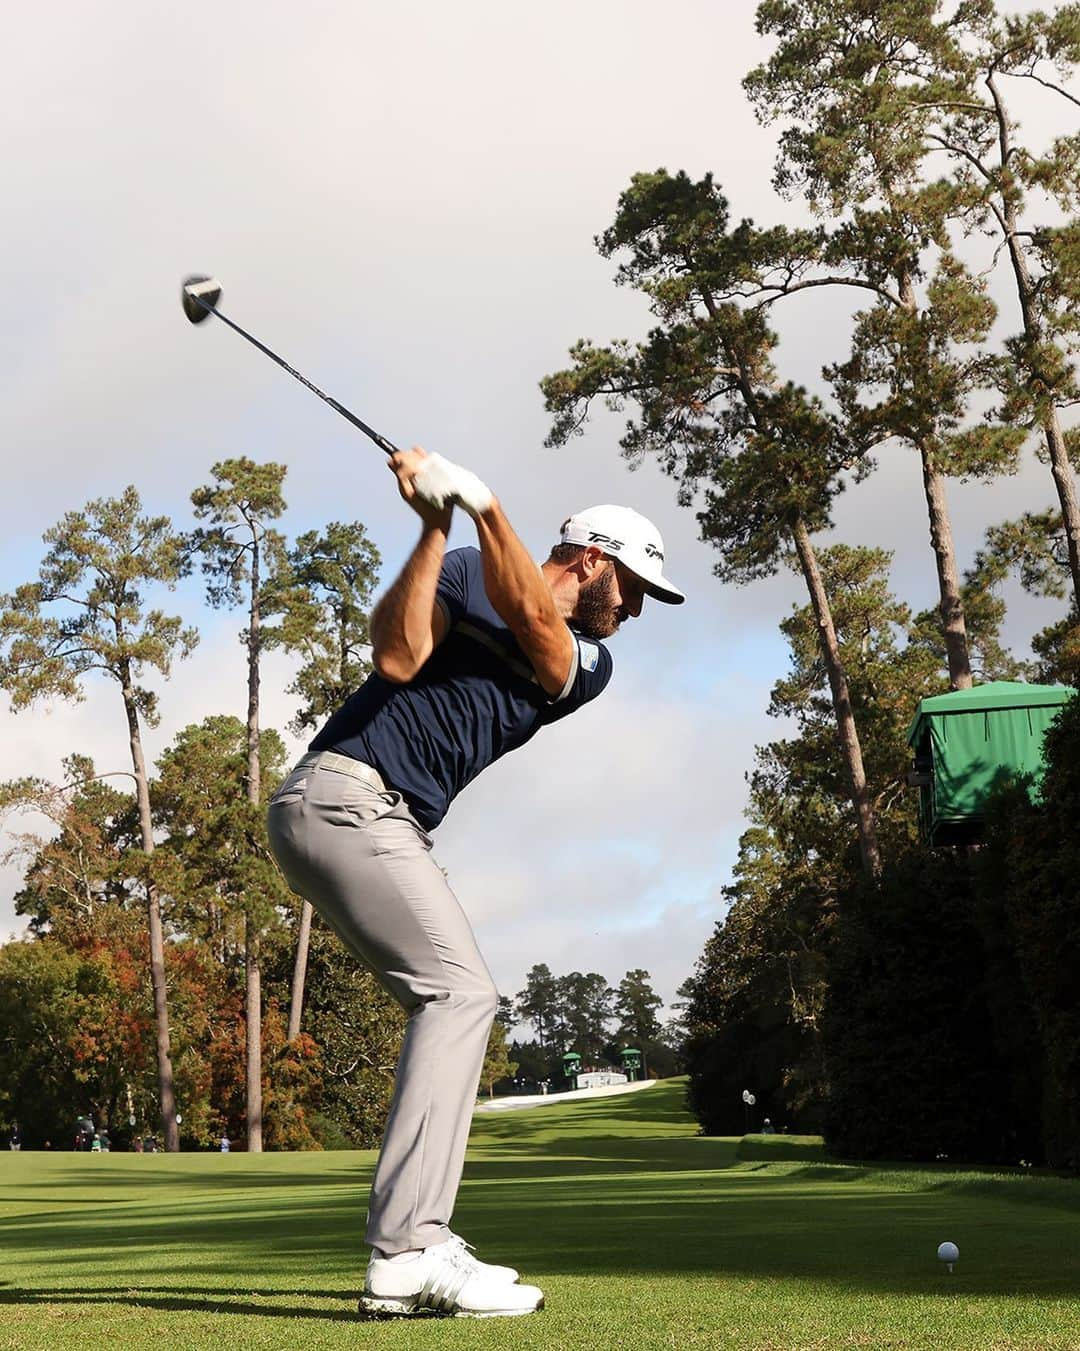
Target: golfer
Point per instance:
(474, 651)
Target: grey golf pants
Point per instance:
(353, 849)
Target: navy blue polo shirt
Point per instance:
(475, 698)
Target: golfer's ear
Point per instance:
(591, 561)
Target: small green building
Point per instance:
(631, 1062)
(571, 1064)
(967, 741)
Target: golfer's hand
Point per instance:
(404, 465)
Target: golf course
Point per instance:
(641, 1232)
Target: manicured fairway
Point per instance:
(641, 1234)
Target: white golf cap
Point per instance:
(632, 539)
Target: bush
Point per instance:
(913, 1068)
(1030, 881)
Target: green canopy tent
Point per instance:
(967, 741)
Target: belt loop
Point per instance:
(342, 764)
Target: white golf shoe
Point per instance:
(447, 1280)
(491, 1269)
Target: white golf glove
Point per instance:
(439, 481)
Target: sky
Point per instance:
(402, 201)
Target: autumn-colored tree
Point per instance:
(78, 1026)
(86, 613)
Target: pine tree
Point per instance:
(536, 1003)
(636, 1005)
(239, 549)
(763, 458)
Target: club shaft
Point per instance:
(380, 441)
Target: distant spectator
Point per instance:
(95, 1144)
(138, 1145)
(767, 1128)
(150, 1145)
(225, 1145)
(84, 1133)
(15, 1140)
(106, 1143)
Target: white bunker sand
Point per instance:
(553, 1099)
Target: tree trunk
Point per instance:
(953, 623)
(166, 1092)
(951, 604)
(253, 770)
(299, 977)
(1060, 468)
(253, 976)
(253, 1022)
(847, 732)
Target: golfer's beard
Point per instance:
(597, 614)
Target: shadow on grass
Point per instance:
(129, 1179)
(171, 1300)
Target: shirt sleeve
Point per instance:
(590, 672)
(452, 591)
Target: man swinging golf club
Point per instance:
(474, 651)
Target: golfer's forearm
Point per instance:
(512, 579)
(402, 638)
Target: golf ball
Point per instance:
(948, 1252)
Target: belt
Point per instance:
(341, 764)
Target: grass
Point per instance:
(642, 1234)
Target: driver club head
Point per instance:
(199, 289)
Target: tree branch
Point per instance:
(788, 290)
(1046, 84)
(970, 107)
(964, 154)
(81, 783)
(61, 656)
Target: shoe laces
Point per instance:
(462, 1254)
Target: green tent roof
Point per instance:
(994, 694)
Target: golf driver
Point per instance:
(200, 295)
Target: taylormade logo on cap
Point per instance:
(631, 538)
